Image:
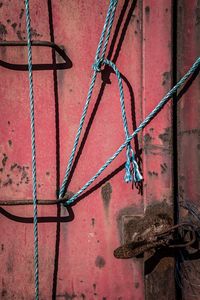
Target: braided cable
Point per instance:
(34, 178)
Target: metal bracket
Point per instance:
(67, 196)
(18, 67)
(154, 231)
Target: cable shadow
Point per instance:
(36, 67)
(106, 74)
(55, 79)
(188, 84)
(49, 219)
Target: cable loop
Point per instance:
(97, 66)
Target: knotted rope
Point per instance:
(99, 62)
(154, 112)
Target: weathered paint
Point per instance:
(157, 161)
(76, 244)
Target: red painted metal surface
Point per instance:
(76, 245)
(157, 156)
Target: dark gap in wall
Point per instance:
(175, 179)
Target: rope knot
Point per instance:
(98, 64)
(131, 166)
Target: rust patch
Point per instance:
(155, 213)
(198, 13)
(14, 25)
(18, 174)
(160, 283)
(7, 182)
(153, 173)
(190, 132)
(4, 160)
(181, 192)
(66, 296)
(100, 262)
(10, 143)
(166, 137)
(4, 293)
(106, 192)
(13, 166)
(35, 34)
(21, 13)
(1, 4)
(126, 212)
(147, 10)
(19, 35)
(3, 32)
(166, 77)
(157, 216)
(93, 222)
(163, 168)
(47, 173)
(147, 139)
(137, 285)
(9, 264)
(94, 287)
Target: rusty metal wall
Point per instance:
(76, 244)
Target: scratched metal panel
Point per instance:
(188, 130)
(76, 245)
